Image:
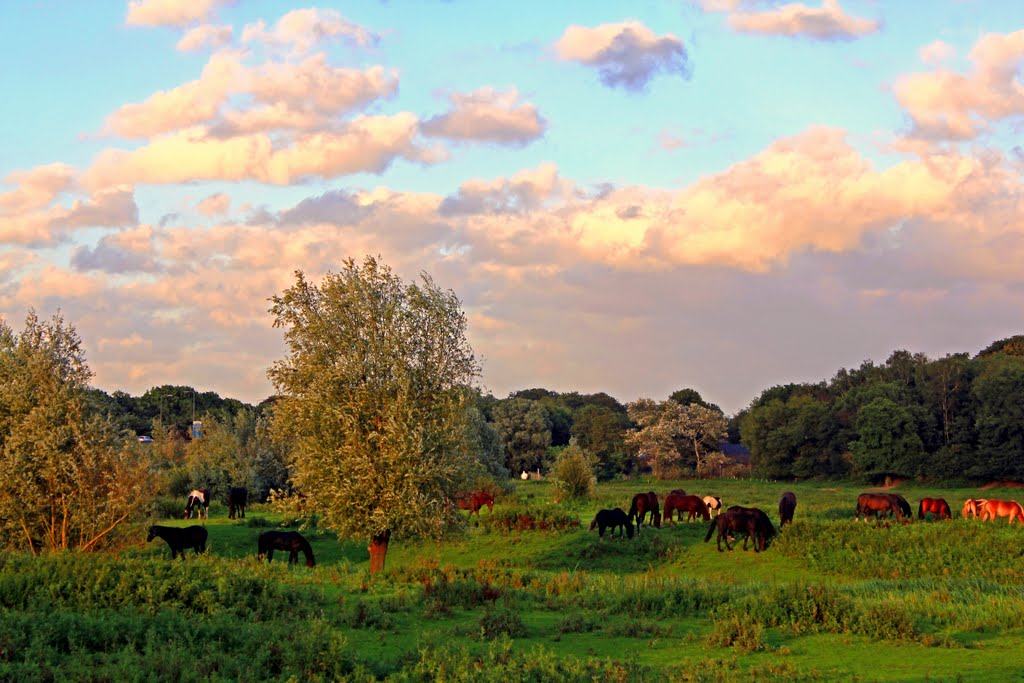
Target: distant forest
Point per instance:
(953, 418)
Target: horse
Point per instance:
(238, 496)
(787, 506)
(714, 504)
(990, 509)
(972, 508)
(876, 503)
(749, 521)
(474, 501)
(641, 504)
(292, 541)
(902, 504)
(937, 506)
(674, 503)
(615, 517)
(180, 539)
(199, 499)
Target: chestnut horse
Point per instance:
(751, 522)
(642, 504)
(972, 508)
(990, 509)
(674, 503)
(937, 506)
(875, 503)
(474, 501)
(787, 505)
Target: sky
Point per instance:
(631, 198)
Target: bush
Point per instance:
(497, 622)
(574, 473)
(531, 518)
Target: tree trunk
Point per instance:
(378, 549)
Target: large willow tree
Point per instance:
(66, 480)
(374, 402)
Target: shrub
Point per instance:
(497, 622)
(531, 518)
(573, 473)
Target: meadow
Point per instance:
(831, 599)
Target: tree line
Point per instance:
(951, 418)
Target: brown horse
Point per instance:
(643, 503)
(990, 509)
(674, 503)
(292, 541)
(937, 506)
(787, 505)
(474, 501)
(751, 522)
(972, 508)
(876, 503)
(904, 506)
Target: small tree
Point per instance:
(373, 397)
(66, 480)
(573, 472)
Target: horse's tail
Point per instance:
(711, 530)
(594, 524)
(920, 509)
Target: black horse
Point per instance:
(751, 522)
(238, 496)
(180, 539)
(292, 541)
(613, 518)
(787, 505)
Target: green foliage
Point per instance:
(888, 441)
(498, 621)
(67, 479)
(525, 430)
(573, 473)
(373, 398)
(601, 431)
(530, 518)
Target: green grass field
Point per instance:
(830, 599)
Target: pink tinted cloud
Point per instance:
(626, 54)
(488, 115)
(35, 187)
(936, 52)
(944, 104)
(365, 144)
(113, 207)
(214, 205)
(177, 13)
(302, 29)
(828, 22)
(204, 37)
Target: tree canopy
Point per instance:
(373, 396)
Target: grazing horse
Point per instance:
(180, 539)
(990, 509)
(749, 521)
(787, 506)
(238, 496)
(292, 541)
(610, 519)
(674, 503)
(474, 501)
(972, 508)
(875, 503)
(643, 503)
(714, 504)
(902, 504)
(937, 506)
(198, 500)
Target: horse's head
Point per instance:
(629, 529)
(152, 534)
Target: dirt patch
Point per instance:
(893, 482)
(1001, 485)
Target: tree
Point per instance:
(888, 442)
(573, 472)
(525, 430)
(67, 480)
(656, 436)
(373, 396)
(704, 428)
(601, 431)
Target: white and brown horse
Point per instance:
(198, 502)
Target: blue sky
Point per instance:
(720, 194)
